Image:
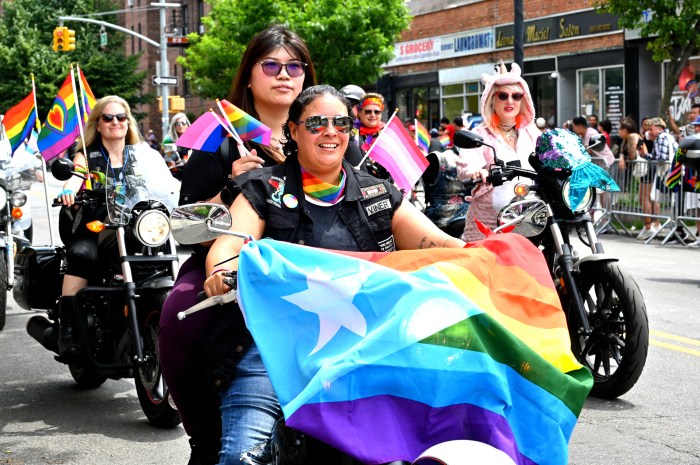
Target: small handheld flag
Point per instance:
(206, 133)
(247, 127)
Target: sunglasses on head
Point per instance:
(370, 112)
(316, 124)
(503, 96)
(273, 68)
(107, 118)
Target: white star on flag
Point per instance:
(331, 299)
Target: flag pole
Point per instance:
(415, 131)
(380, 134)
(43, 171)
(235, 135)
(88, 183)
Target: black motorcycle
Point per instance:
(604, 307)
(117, 315)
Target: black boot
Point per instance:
(67, 347)
(204, 452)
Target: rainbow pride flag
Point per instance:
(86, 95)
(206, 133)
(422, 137)
(61, 126)
(445, 141)
(20, 120)
(396, 151)
(383, 355)
(247, 127)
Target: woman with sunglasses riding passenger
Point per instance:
(508, 125)
(315, 198)
(173, 154)
(115, 154)
(274, 69)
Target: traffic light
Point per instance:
(70, 43)
(59, 38)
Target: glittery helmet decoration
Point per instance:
(561, 149)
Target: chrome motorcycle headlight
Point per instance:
(584, 205)
(152, 228)
(18, 199)
(3, 198)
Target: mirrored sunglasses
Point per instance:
(316, 124)
(107, 118)
(273, 68)
(503, 96)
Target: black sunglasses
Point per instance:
(503, 96)
(316, 124)
(273, 68)
(107, 118)
(369, 112)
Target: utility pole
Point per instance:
(518, 33)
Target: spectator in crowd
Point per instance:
(605, 128)
(448, 128)
(435, 144)
(602, 156)
(687, 129)
(593, 121)
(458, 123)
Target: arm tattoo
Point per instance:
(425, 243)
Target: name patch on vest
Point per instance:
(377, 207)
(373, 191)
(387, 245)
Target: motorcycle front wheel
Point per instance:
(616, 349)
(150, 385)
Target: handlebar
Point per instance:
(499, 174)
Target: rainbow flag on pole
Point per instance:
(396, 151)
(247, 127)
(61, 126)
(422, 137)
(86, 95)
(385, 355)
(20, 120)
(206, 133)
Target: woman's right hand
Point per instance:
(67, 197)
(215, 285)
(247, 163)
(482, 174)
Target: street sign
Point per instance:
(165, 80)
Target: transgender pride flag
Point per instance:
(396, 151)
(385, 355)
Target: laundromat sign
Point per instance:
(568, 26)
(447, 46)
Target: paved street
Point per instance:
(46, 419)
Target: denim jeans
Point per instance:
(249, 409)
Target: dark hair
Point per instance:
(458, 121)
(298, 106)
(695, 105)
(445, 120)
(579, 121)
(606, 125)
(629, 124)
(263, 43)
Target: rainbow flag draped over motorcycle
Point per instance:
(385, 355)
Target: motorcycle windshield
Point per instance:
(20, 172)
(141, 180)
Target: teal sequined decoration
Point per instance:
(561, 149)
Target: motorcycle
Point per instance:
(175, 161)
(117, 315)
(17, 174)
(605, 311)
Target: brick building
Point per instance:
(576, 61)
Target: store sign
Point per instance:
(568, 26)
(416, 51)
(467, 43)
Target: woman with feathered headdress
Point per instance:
(508, 125)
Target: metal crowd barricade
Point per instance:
(636, 187)
(687, 210)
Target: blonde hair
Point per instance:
(90, 133)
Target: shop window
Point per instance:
(458, 99)
(602, 92)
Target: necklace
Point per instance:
(509, 131)
(276, 143)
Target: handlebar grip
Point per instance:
(472, 182)
(201, 296)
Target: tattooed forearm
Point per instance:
(426, 243)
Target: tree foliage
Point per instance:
(349, 40)
(26, 37)
(672, 26)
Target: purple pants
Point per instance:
(182, 359)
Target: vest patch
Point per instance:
(373, 191)
(387, 245)
(377, 207)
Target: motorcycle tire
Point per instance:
(151, 389)
(3, 290)
(86, 376)
(616, 350)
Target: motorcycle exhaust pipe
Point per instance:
(44, 332)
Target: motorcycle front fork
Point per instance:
(9, 254)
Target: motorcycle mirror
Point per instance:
(62, 169)
(470, 140)
(597, 143)
(199, 222)
(467, 139)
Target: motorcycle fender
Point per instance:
(22, 242)
(158, 283)
(593, 259)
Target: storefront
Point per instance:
(564, 80)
